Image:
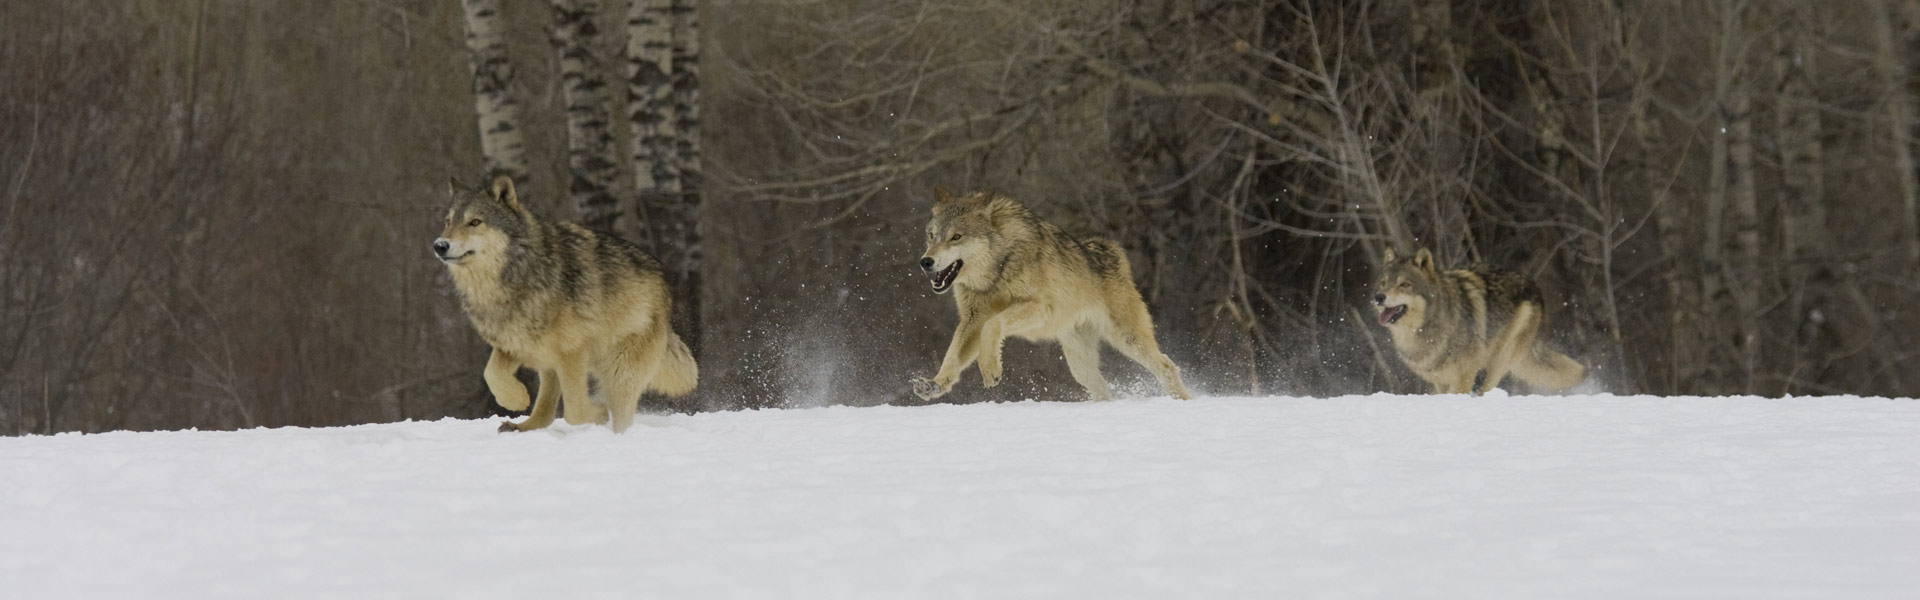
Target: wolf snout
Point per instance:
(926, 263)
(1379, 298)
(440, 247)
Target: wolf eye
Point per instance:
(473, 223)
(1406, 284)
(955, 238)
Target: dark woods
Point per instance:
(216, 214)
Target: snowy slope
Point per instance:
(1357, 497)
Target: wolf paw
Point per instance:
(1479, 383)
(989, 378)
(509, 427)
(927, 389)
(513, 398)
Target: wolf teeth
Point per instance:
(945, 277)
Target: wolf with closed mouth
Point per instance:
(1464, 330)
(1015, 275)
(569, 303)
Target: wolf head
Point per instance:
(481, 224)
(962, 232)
(1405, 286)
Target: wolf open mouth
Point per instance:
(1392, 314)
(943, 280)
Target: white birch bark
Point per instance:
(590, 152)
(501, 144)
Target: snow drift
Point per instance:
(1355, 497)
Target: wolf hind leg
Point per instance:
(1132, 334)
(637, 367)
(1548, 371)
(623, 400)
(1506, 349)
(1082, 349)
(543, 406)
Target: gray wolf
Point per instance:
(1015, 275)
(1465, 330)
(571, 304)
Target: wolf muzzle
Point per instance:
(943, 280)
(441, 247)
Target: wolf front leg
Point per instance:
(507, 391)
(543, 405)
(960, 354)
(1016, 319)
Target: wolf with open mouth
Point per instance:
(1466, 329)
(1015, 275)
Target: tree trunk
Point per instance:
(663, 116)
(1727, 265)
(1803, 211)
(501, 143)
(1891, 63)
(590, 154)
(1743, 271)
(686, 108)
(650, 115)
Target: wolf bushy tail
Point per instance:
(1547, 371)
(678, 372)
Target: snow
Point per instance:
(1355, 497)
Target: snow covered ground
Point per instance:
(1356, 497)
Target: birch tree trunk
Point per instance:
(590, 154)
(664, 148)
(501, 143)
(650, 114)
(685, 218)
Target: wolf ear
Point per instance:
(454, 187)
(1388, 257)
(940, 196)
(503, 192)
(1423, 259)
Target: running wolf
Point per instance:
(566, 302)
(1014, 275)
(1464, 330)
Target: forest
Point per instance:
(216, 214)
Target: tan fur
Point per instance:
(1465, 330)
(566, 302)
(1022, 277)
